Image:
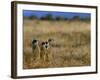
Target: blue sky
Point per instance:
(54, 14)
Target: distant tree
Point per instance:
(33, 17)
(48, 17)
(25, 17)
(58, 18)
(65, 18)
(42, 18)
(87, 19)
(76, 18)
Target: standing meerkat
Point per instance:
(45, 51)
(35, 50)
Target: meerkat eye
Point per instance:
(46, 42)
(43, 43)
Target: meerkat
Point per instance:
(45, 51)
(35, 50)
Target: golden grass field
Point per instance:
(71, 40)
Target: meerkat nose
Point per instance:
(46, 46)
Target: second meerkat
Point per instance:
(35, 50)
(45, 51)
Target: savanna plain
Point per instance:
(71, 45)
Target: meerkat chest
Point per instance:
(47, 51)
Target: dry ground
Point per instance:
(71, 42)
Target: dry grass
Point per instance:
(71, 46)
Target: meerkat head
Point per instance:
(45, 45)
(34, 42)
(50, 40)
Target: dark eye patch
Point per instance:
(46, 42)
(34, 41)
(43, 43)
